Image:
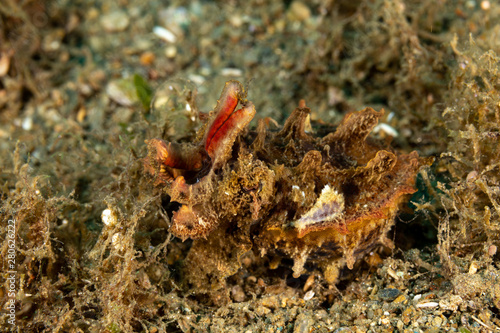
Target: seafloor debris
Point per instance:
(285, 193)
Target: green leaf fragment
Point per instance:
(143, 90)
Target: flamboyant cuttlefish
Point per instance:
(283, 193)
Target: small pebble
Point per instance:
(82, 113)
(299, 11)
(238, 294)
(176, 19)
(27, 123)
(473, 267)
(492, 250)
(437, 321)
(115, 21)
(53, 40)
(389, 294)
(407, 315)
(4, 64)
(171, 51)
(284, 302)
(485, 5)
(85, 89)
(271, 302)
(262, 311)
(385, 321)
(147, 58)
(92, 13)
(236, 21)
(451, 304)
(303, 324)
(309, 282)
(393, 274)
(122, 92)
(400, 299)
(198, 79)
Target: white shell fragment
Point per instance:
(328, 207)
(108, 217)
(165, 34)
(428, 305)
(387, 129)
(231, 72)
(309, 295)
